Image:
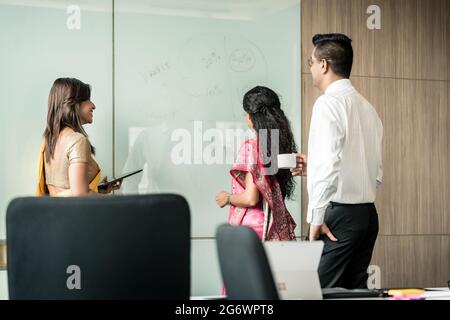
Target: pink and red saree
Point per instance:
(275, 223)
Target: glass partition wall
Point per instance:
(167, 77)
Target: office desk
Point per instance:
(442, 293)
(433, 294)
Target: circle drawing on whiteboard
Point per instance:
(242, 60)
(201, 66)
(215, 71)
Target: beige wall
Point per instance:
(404, 71)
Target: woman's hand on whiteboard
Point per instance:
(222, 199)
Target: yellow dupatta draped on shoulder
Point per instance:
(42, 189)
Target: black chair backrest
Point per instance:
(243, 262)
(118, 247)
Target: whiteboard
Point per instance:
(180, 80)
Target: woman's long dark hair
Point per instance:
(264, 108)
(64, 102)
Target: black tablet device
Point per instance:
(104, 186)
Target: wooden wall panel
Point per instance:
(444, 259)
(414, 196)
(412, 42)
(446, 191)
(413, 261)
(447, 40)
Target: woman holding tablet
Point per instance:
(66, 163)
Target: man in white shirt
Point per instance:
(344, 167)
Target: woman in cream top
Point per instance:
(71, 148)
(66, 163)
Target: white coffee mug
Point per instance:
(287, 161)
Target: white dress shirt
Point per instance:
(344, 150)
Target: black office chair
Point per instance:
(245, 269)
(119, 247)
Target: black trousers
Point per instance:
(344, 263)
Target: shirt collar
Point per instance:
(339, 85)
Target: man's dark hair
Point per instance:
(337, 49)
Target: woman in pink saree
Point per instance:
(258, 192)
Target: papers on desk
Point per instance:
(437, 295)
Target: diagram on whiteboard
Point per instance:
(221, 67)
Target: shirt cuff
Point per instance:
(316, 216)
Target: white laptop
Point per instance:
(294, 267)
